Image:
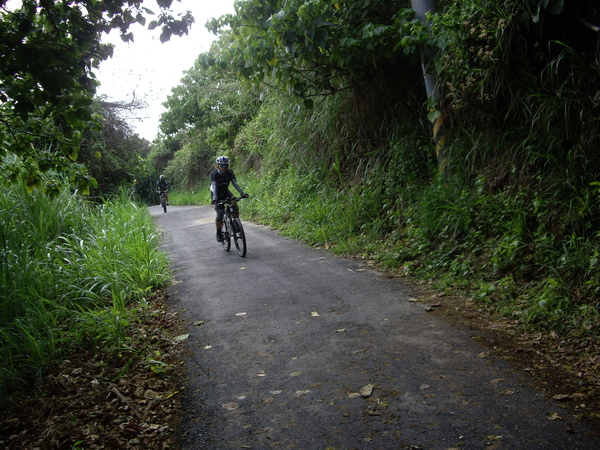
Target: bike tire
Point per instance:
(164, 205)
(226, 236)
(239, 236)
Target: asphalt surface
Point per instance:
(294, 348)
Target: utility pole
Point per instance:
(436, 115)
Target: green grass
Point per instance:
(69, 269)
(186, 198)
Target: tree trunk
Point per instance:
(437, 115)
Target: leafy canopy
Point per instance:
(319, 47)
(48, 50)
(210, 102)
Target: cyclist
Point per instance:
(163, 185)
(219, 190)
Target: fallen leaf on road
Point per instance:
(242, 268)
(299, 393)
(295, 374)
(181, 337)
(314, 314)
(261, 374)
(562, 397)
(230, 406)
(413, 300)
(341, 330)
(150, 394)
(507, 392)
(553, 416)
(198, 323)
(366, 391)
(207, 347)
(353, 395)
(241, 314)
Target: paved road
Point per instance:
(284, 342)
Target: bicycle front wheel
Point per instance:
(239, 237)
(226, 235)
(164, 205)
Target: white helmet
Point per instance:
(223, 160)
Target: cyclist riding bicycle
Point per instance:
(162, 185)
(219, 190)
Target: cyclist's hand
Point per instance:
(214, 202)
(245, 195)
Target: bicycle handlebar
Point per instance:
(228, 200)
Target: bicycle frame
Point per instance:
(233, 226)
(163, 199)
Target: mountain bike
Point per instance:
(233, 226)
(163, 200)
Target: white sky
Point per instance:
(147, 69)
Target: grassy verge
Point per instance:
(70, 271)
(183, 198)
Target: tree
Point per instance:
(112, 153)
(48, 51)
(211, 100)
(319, 47)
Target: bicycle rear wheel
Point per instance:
(226, 235)
(239, 237)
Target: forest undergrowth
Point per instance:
(78, 310)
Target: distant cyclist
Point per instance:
(162, 185)
(219, 190)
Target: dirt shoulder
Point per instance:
(566, 370)
(126, 399)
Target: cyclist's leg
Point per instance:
(220, 210)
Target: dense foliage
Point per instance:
(319, 47)
(514, 216)
(48, 51)
(68, 270)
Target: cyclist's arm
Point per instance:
(213, 190)
(237, 186)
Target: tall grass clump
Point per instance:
(68, 269)
(179, 197)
